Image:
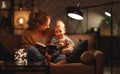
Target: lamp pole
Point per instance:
(111, 38)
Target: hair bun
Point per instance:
(31, 19)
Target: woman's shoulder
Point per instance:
(26, 32)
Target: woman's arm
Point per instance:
(26, 39)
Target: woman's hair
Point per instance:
(40, 17)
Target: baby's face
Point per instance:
(59, 32)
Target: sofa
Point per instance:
(12, 42)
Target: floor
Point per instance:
(115, 69)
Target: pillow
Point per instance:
(78, 49)
(82, 45)
(87, 58)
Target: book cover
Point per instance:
(50, 48)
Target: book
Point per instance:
(46, 46)
(50, 48)
(41, 44)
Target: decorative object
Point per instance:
(21, 57)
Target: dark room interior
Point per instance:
(101, 31)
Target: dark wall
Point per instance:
(110, 49)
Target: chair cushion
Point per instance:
(87, 58)
(83, 44)
(78, 49)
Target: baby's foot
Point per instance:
(48, 56)
(62, 62)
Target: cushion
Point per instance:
(78, 49)
(83, 44)
(87, 58)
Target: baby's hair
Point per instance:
(60, 23)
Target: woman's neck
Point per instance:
(39, 33)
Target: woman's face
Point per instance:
(44, 26)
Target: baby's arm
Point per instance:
(68, 49)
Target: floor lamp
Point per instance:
(111, 38)
(111, 24)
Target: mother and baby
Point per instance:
(39, 31)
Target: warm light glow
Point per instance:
(21, 9)
(4, 5)
(21, 20)
(108, 14)
(95, 29)
(75, 16)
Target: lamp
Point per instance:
(20, 21)
(75, 13)
(108, 14)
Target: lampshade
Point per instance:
(75, 13)
(108, 14)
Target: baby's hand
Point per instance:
(60, 45)
(67, 50)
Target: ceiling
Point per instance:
(93, 2)
(101, 5)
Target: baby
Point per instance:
(62, 41)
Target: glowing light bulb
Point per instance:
(21, 20)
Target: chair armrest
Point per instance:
(72, 68)
(99, 56)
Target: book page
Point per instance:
(41, 44)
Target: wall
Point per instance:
(93, 17)
(57, 9)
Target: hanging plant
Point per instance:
(107, 20)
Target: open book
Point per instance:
(50, 48)
(48, 45)
(41, 44)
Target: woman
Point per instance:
(38, 31)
